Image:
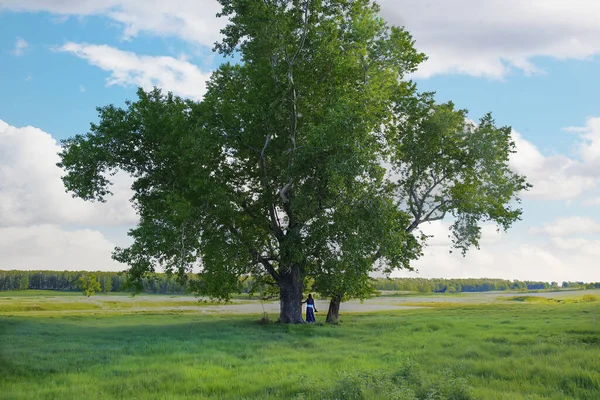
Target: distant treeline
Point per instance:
(68, 281)
(162, 283)
(436, 285)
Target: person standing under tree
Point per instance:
(310, 309)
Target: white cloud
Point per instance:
(440, 232)
(589, 146)
(490, 38)
(192, 20)
(559, 254)
(479, 38)
(509, 256)
(578, 245)
(20, 47)
(48, 247)
(569, 226)
(592, 202)
(32, 193)
(126, 68)
(556, 177)
(81, 88)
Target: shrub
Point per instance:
(589, 298)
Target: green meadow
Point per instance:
(170, 347)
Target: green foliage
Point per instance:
(446, 165)
(89, 285)
(580, 285)
(24, 282)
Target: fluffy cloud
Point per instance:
(508, 256)
(32, 193)
(191, 20)
(555, 177)
(569, 226)
(480, 38)
(490, 38)
(558, 177)
(589, 146)
(592, 202)
(48, 247)
(126, 68)
(578, 246)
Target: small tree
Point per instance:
(89, 285)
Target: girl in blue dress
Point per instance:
(310, 309)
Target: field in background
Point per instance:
(40, 302)
(465, 346)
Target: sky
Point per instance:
(533, 64)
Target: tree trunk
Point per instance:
(290, 290)
(334, 310)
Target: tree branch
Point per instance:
(267, 264)
(265, 183)
(256, 255)
(283, 192)
(305, 30)
(429, 218)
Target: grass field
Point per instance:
(515, 348)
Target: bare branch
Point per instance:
(275, 225)
(267, 141)
(412, 226)
(423, 198)
(305, 31)
(284, 190)
(413, 200)
(429, 217)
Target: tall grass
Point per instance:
(499, 351)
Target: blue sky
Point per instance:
(51, 82)
(533, 65)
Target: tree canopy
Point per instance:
(446, 164)
(280, 171)
(442, 165)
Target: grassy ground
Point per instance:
(40, 302)
(516, 350)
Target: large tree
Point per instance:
(443, 166)
(278, 171)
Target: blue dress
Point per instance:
(310, 310)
